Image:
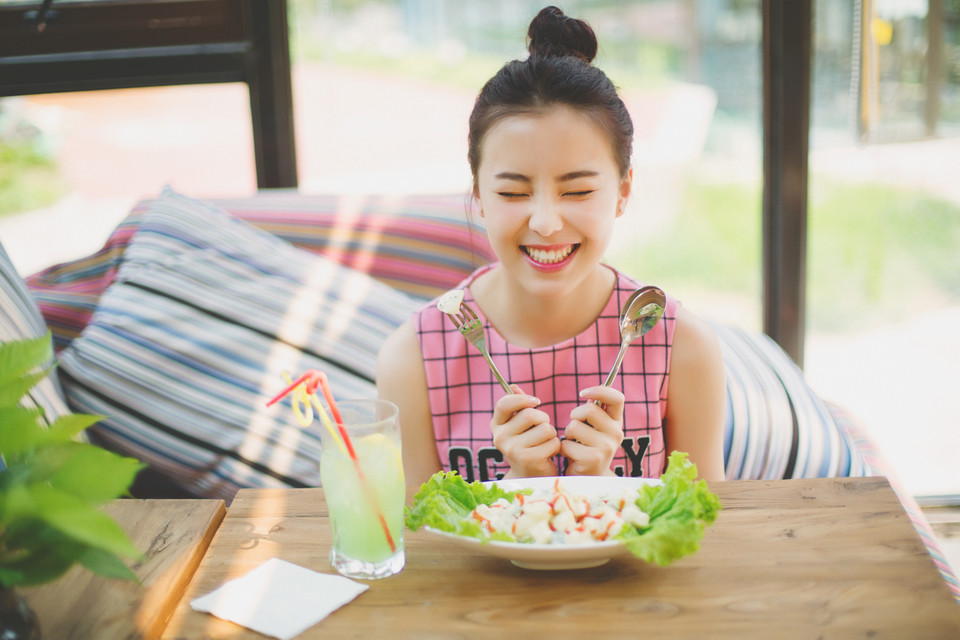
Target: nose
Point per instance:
(545, 217)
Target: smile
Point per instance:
(552, 256)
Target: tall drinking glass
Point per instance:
(365, 493)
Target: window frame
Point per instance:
(121, 44)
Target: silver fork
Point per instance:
(469, 325)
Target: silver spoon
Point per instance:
(640, 313)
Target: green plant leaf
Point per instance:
(20, 430)
(33, 552)
(21, 356)
(24, 535)
(75, 518)
(12, 391)
(50, 484)
(106, 564)
(37, 566)
(36, 466)
(16, 503)
(95, 475)
(67, 427)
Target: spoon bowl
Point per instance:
(641, 312)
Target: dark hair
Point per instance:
(558, 71)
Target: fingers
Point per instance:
(510, 404)
(587, 460)
(524, 435)
(610, 399)
(593, 436)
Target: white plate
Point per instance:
(554, 556)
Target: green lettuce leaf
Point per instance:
(445, 501)
(680, 509)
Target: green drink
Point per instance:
(365, 495)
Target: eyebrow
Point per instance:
(573, 175)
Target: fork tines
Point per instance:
(468, 310)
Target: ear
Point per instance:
(476, 199)
(625, 187)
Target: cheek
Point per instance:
(501, 227)
(596, 216)
(502, 215)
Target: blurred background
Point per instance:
(382, 90)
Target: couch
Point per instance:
(187, 320)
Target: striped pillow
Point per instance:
(20, 319)
(776, 425)
(193, 337)
(419, 244)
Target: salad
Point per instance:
(560, 517)
(658, 523)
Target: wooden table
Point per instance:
(173, 536)
(833, 558)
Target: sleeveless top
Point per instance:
(462, 389)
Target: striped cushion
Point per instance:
(776, 426)
(67, 294)
(193, 337)
(19, 320)
(422, 245)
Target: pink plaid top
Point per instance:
(463, 390)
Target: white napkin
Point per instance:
(279, 599)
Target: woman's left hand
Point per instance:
(595, 432)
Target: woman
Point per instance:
(549, 148)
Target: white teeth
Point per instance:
(548, 257)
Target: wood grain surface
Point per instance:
(823, 558)
(173, 536)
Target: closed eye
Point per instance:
(578, 194)
(511, 196)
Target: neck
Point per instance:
(532, 321)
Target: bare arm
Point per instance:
(401, 379)
(696, 396)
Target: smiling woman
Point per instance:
(550, 143)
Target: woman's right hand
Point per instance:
(524, 436)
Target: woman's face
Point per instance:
(549, 190)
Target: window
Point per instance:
(883, 282)
(690, 74)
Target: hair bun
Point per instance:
(553, 33)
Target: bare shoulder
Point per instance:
(694, 340)
(399, 351)
(697, 395)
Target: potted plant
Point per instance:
(51, 490)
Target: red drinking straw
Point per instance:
(311, 379)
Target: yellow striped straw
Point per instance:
(305, 417)
(327, 422)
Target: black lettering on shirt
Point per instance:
(483, 459)
(634, 455)
(461, 461)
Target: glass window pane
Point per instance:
(690, 73)
(93, 154)
(883, 282)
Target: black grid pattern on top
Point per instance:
(463, 391)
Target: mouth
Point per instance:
(551, 255)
